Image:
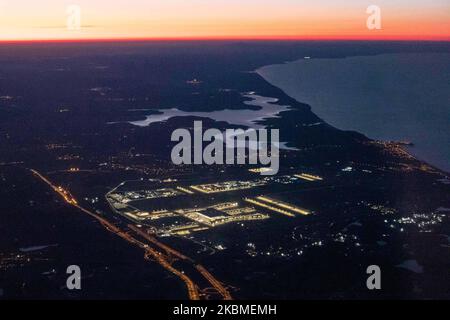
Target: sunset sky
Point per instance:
(313, 19)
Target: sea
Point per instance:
(401, 97)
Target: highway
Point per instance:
(214, 282)
(202, 270)
(166, 248)
(193, 291)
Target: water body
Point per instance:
(244, 117)
(36, 248)
(401, 97)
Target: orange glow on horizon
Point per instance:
(231, 38)
(142, 20)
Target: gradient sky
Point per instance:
(310, 19)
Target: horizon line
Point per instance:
(227, 38)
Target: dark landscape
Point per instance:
(71, 163)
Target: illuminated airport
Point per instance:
(182, 219)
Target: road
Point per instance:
(214, 282)
(193, 291)
(163, 259)
(159, 244)
(220, 288)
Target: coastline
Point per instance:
(273, 73)
(401, 149)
